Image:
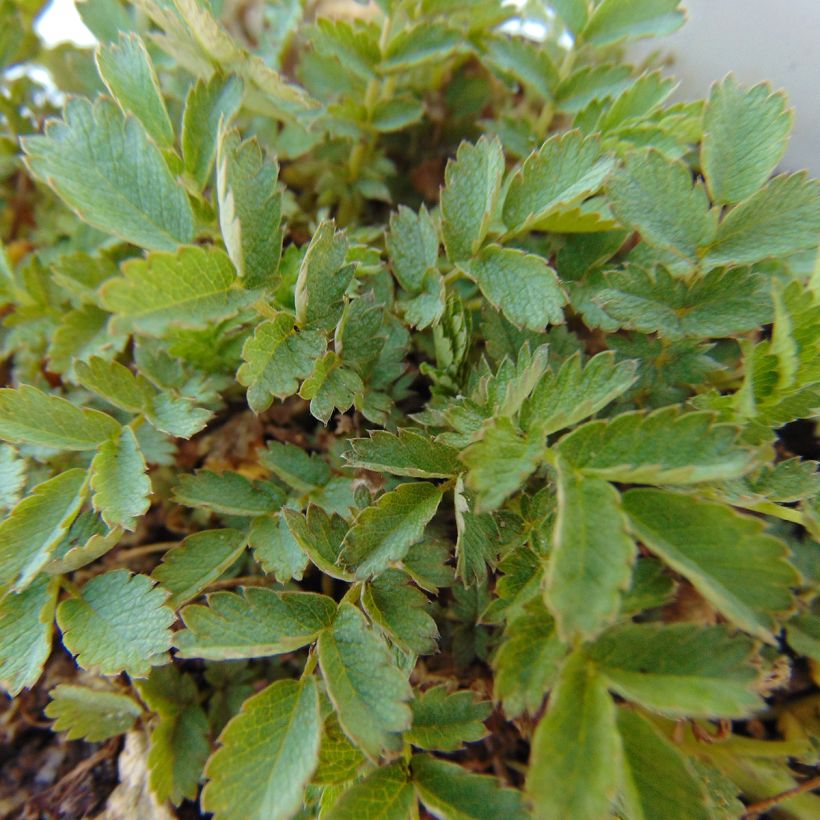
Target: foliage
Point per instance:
(399, 411)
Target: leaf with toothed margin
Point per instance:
(120, 623)
(37, 524)
(383, 532)
(257, 623)
(741, 570)
(105, 167)
(369, 692)
(267, 754)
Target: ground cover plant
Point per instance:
(408, 410)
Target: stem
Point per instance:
(352, 594)
(70, 587)
(310, 663)
(776, 510)
(756, 809)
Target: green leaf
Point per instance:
(521, 285)
(782, 218)
(395, 114)
(321, 536)
(29, 416)
(399, 609)
(412, 245)
(275, 358)
(451, 791)
(323, 279)
(527, 661)
(90, 714)
(86, 540)
(745, 133)
(477, 543)
(36, 525)
(721, 303)
(368, 691)
(576, 754)
(119, 624)
(727, 557)
(444, 721)
(500, 462)
(256, 624)
(385, 793)
(120, 482)
(267, 755)
(12, 476)
(228, 493)
(331, 386)
(339, 760)
(591, 559)
(115, 383)
(526, 62)
(81, 334)
(679, 669)
(564, 171)
(658, 780)
(383, 532)
(190, 288)
(428, 306)
(415, 46)
(654, 196)
(663, 447)
(275, 548)
(198, 561)
(105, 167)
(407, 453)
(614, 20)
(576, 391)
(206, 105)
(250, 209)
(26, 624)
(472, 184)
(128, 73)
(299, 469)
(179, 749)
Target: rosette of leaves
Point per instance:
(402, 412)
